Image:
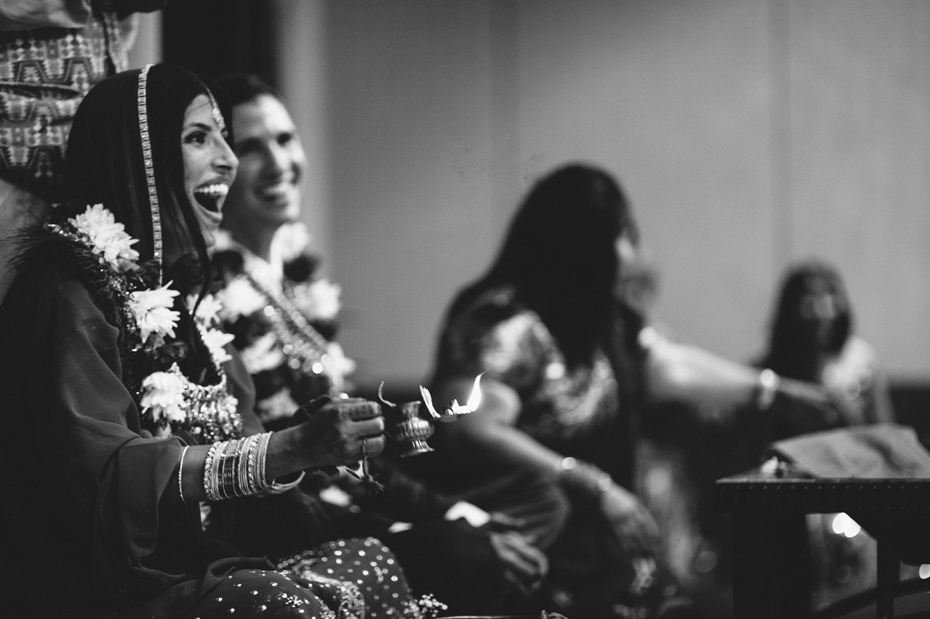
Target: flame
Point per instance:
(474, 400)
(454, 409)
(471, 405)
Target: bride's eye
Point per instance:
(195, 137)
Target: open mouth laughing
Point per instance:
(211, 196)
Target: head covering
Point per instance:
(124, 152)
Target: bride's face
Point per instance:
(209, 165)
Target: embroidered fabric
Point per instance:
(343, 567)
(44, 74)
(518, 350)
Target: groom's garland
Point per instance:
(284, 330)
(97, 249)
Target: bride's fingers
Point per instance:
(370, 446)
(368, 427)
(360, 409)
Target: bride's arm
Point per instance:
(335, 435)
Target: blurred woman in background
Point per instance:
(812, 339)
(568, 367)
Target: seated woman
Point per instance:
(812, 339)
(567, 369)
(106, 339)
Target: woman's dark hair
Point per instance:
(104, 162)
(560, 256)
(234, 89)
(793, 350)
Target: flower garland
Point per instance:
(151, 354)
(283, 319)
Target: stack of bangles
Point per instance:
(236, 468)
(585, 477)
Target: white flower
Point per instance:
(163, 396)
(216, 340)
(319, 300)
(290, 240)
(338, 366)
(263, 354)
(208, 312)
(152, 309)
(222, 240)
(239, 298)
(108, 237)
(281, 404)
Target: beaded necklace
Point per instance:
(304, 346)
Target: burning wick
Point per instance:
(453, 410)
(412, 430)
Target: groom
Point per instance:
(473, 560)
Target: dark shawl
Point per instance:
(91, 519)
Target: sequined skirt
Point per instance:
(356, 577)
(344, 579)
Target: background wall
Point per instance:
(748, 134)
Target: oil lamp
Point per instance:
(412, 430)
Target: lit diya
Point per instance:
(412, 430)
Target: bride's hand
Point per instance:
(340, 432)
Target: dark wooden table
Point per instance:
(771, 556)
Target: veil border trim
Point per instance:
(149, 169)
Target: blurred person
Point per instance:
(284, 318)
(51, 53)
(812, 339)
(638, 281)
(568, 372)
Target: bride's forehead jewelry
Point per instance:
(149, 169)
(217, 115)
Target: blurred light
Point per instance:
(844, 525)
(924, 571)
